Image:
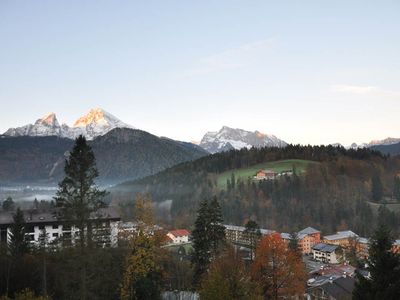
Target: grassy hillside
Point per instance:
(278, 166)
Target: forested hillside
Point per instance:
(331, 195)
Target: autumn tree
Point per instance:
(228, 279)
(142, 275)
(277, 269)
(384, 269)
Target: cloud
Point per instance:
(354, 89)
(230, 59)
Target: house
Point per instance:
(339, 288)
(265, 175)
(178, 236)
(237, 235)
(396, 246)
(343, 239)
(326, 253)
(307, 238)
(104, 223)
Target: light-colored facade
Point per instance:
(104, 225)
(326, 253)
(179, 236)
(237, 234)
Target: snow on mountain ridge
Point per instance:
(229, 138)
(95, 123)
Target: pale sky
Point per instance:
(313, 72)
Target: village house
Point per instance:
(333, 289)
(343, 239)
(307, 238)
(104, 221)
(265, 175)
(327, 253)
(178, 236)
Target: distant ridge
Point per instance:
(229, 138)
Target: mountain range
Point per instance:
(37, 152)
(95, 123)
(121, 154)
(229, 139)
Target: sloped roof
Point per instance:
(179, 232)
(51, 216)
(341, 235)
(325, 247)
(341, 288)
(308, 230)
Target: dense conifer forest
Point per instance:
(346, 189)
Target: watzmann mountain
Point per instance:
(96, 122)
(121, 154)
(229, 138)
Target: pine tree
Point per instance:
(377, 188)
(208, 236)
(294, 244)
(79, 198)
(201, 255)
(18, 245)
(216, 232)
(8, 204)
(384, 268)
(252, 229)
(77, 195)
(396, 187)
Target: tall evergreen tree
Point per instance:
(396, 187)
(8, 204)
(384, 268)
(201, 255)
(216, 229)
(377, 187)
(79, 198)
(77, 195)
(18, 245)
(208, 236)
(252, 229)
(294, 244)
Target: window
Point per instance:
(41, 227)
(55, 226)
(55, 235)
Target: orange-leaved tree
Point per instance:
(277, 269)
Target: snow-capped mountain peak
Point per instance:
(50, 119)
(229, 138)
(95, 123)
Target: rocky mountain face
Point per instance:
(229, 138)
(385, 142)
(95, 123)
(121, 154)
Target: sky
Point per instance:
(309, 72)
